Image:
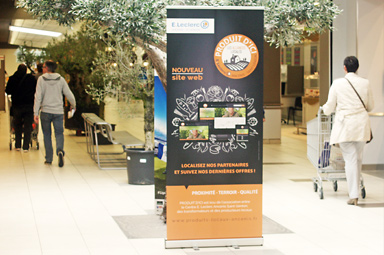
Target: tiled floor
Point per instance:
(51, 210)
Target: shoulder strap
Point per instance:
(18, 86)
(356, 93)
(23, 79)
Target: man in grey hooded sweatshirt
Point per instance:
(49, 99)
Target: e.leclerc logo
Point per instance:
(204, 24)
(236, 56)
(190, 26)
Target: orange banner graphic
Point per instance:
(232, 211)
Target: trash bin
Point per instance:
(140, 166)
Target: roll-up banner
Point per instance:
(160, 122)
(214, 126)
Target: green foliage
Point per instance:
(30, 56)
(122, 75)
(142, 22)
(118, 69)
(76, 55)
(51, 10)
(219, 111)
(184, 134)
(241, 112)
(286, 21)
(186, 131)
(289, 21)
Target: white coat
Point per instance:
(351, 118)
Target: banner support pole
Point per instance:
(236, 242)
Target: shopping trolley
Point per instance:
(34, 136)
(35, 128)
(326, 158)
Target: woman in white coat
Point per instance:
(351, 129)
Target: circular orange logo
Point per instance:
(236, 56)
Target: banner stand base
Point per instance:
(171, 244)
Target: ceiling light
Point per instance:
(34, 31)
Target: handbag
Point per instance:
(325, 155)
(371, 136)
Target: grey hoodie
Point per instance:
(49, 94)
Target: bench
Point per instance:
(95, 125)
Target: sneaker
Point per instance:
(18, 149)
(47, 163)
(25, 151)
(61, 158)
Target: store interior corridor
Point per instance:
(80, 209)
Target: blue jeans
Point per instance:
(47, 119)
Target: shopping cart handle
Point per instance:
(320, 111)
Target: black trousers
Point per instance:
(22, 121)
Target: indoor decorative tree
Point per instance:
(143, 21)
(30, 56)
(122, 72)
(75, 55)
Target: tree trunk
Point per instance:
(148, 102)
(149, 141)
(158, 63)
(102, 110)
(158, 56)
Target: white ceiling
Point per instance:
(33, 40)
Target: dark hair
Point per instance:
(51, 65)
(40, 67)
(22, 69)
(351, 63)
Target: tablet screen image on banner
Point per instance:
(224, 115)
(193, 131)
(242, 133)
